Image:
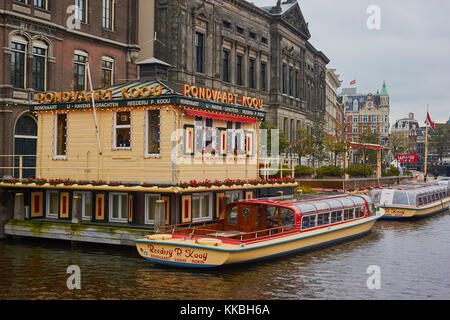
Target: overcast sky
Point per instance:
(411, 51)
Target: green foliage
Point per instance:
(304, 190)
(391, 172)
(282, 141)
(357, 170)
(303, 171)
(333, 171)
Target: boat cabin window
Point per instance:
(308, 222)
(359, 212)
(336, 216)
(348, 214)
(400, 197)
(232, 215)
(323, 219)
(287, 216)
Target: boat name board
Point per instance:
(176, 254)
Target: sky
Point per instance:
(410, 50)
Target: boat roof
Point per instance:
(416, 188)
(312, 203)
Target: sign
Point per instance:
(407, 158)
(221, 96)
(98, 95)
(163, 100)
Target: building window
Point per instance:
(153, 132)
(365, 118)
(355, 129)
(252, 35)
(355, 105)
(264, 40)
(18, 68)
(80, 72)
(42, 4)
(355, 119)
(118, 204)
(39, 68)
(107, 72)
(108, 14)
(150, 207)
(291, 83)
(201, 206)
(226, 66)
(297, 85)
(60, 142)
(122, 130)
(86, 204)
(263, 76)
(226, 24)
(240, 30)
(52, 204)
(235, 138)
(374, 118)
(284, 78)
(374, 129)
(199, 51)
(239, 80)
(81, 10)
(251, 75)
(205, 135)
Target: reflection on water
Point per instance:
(413, 256)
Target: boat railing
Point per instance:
(201, 230)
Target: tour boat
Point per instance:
(412, 201)
(252, 230)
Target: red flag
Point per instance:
(430, 122)
(353, 82)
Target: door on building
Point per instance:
(25, 147)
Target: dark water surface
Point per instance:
(413, 257)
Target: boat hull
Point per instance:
(409, 213)
(188, 253)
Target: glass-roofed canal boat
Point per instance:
(252, 230)
(412, 201)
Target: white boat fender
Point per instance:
(159, 237)
(209, 242)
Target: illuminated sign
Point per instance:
(407, 158)
(221, 96)
(99, 95)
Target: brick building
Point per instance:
(46, 47)
(235, 46)
(366, 113)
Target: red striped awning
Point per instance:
(212, 115)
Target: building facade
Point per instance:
(237, 47)
(366, 113)
(46, 47)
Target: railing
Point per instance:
(119, 167)
(198, 229)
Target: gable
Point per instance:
(294, 17)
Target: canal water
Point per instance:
(411, 260)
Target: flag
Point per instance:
(430, 122)
(353, 82)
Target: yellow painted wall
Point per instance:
(84, 162)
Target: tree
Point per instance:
(317, 140)
(282, 141)
(440, 140)
(334, 146)
(398, 144)
(303, 145)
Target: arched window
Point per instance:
(355, 105)
(25, 146)
(40, 53)
(18, 59)
(26, 126)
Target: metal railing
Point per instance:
(136, 169)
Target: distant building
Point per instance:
(366, 112)
(334, 111)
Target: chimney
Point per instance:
(153, 69)
(411, 115)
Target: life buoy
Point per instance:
(159, 237)
(209, 241)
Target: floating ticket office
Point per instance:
(145, 144)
